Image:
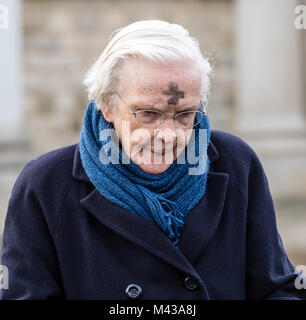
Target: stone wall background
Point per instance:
(61, 39)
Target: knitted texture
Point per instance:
(164, 199)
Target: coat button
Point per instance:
(191, 283)
(133, 291)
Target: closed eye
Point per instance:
(187, 110)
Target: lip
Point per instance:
(161, 152)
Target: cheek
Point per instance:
(118, 128)
(119, 122)
(188, 135)
(183, 137)
(140, 136)
(131, 136)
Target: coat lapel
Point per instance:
(135, 229)
(202, 221)
(199, 228)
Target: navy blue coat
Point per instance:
(63, 239)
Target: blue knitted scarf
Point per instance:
(164, 198)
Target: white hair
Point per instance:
(153, 40)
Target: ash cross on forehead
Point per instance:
(174, 92)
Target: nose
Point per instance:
(167, 132)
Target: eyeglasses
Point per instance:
(153, 118)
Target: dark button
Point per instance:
(191, 284)
(133, 291)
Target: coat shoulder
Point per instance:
(42, 185)
(233, 150)
(48, 177)
(238, 159)
(48, 166)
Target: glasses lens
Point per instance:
(189, 119)
(149, 117)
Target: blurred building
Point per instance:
(258, 85)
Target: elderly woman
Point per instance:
(151, 203)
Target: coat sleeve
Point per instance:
(28, 252)
(270, 274)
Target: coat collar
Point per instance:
(200, 226)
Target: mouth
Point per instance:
(160, 151)
(155, 157)
(163, 151)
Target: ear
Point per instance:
(107, 113)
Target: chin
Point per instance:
(154, 168)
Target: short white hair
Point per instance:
(153, 40)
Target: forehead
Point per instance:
(158, 81)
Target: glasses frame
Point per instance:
(201, 109)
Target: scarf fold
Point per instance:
(165, 198)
